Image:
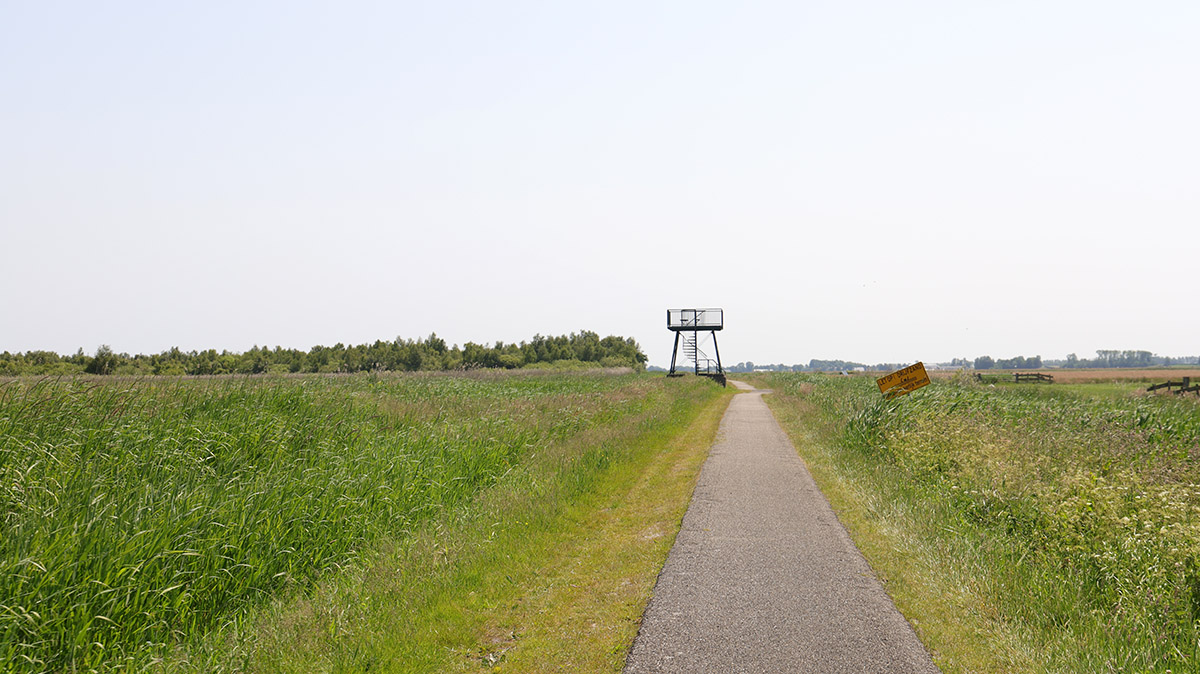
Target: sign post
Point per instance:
(904, 381)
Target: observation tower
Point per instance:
(688, 324)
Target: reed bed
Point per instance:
(140, 513)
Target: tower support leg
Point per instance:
(674, 353)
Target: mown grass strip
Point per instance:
(584, 607)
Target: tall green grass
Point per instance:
(1081, 509)
(139, 513)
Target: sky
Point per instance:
(864, 180)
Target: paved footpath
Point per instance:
(762, 577)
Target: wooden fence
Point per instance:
(1019, 377)
(1185, 386)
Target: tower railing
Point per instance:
(695, 319)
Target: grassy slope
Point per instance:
(548, 571)
(1019, 529)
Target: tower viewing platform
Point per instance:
(695, 319)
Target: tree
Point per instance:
(104, 362)
(473, 355)
(435, 343)
(984, 363)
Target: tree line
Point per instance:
(1114, 358)
(815, 365)
(581, 349)
(1105, 358)
(1014, 363)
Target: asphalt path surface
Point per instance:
(763, 577)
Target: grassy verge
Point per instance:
(1021, 529)
(582, 610)
(548, 571)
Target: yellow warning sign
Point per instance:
(903, 381)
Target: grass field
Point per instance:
(1038, 528)
(168, 522)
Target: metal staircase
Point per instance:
(690, 349)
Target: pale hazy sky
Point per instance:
(876, 181)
